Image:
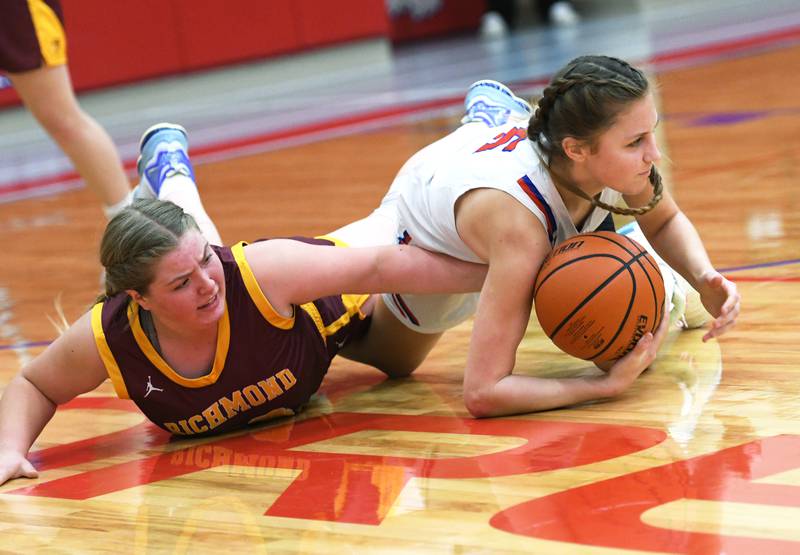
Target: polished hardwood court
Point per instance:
(701, 455)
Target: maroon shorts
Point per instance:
(31, 35)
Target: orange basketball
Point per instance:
(598, 293)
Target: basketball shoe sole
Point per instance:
(163, 153)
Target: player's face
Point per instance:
(188, 289)
(625, 152)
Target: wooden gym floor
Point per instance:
(701, 455)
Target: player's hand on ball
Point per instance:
(624, 371)
(14, 465)
(722, 300)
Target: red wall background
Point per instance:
(123, 41)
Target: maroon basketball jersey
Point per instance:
(266, 364)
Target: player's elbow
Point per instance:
(479, 403)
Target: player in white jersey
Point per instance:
(505, 194)
(419, 207)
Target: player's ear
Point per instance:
(139, 298)
(575, 149)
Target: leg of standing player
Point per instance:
(47, 93)
(33, 52)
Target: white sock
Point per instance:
(181, 190)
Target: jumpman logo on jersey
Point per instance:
(151, 388)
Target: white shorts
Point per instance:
(431, 313)
(421, 313)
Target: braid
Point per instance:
(658, 192)
(582, 101)
(538, 126)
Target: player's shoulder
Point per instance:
(498, 213)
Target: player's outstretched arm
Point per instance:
(23, 413)
(721, 298)
(68, 367)
(292, 272)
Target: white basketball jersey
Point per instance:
(423, 197)
(475, 156)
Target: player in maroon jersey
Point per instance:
(204, 338)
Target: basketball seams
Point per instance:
(588, 297)
(538, 286)
(615, 239)
(603, 285)
(630, 303)
(598, 301)
(631, 299)
(659, 308)
(631, 248)
(624, 320)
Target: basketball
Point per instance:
(597, 294)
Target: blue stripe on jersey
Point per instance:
(533, 193)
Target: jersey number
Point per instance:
(510, 139)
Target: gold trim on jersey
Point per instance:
(352, 303)
(332, 239)
(312, 310)
(105, 352)
(251, 283)
(49, 33)
(223, 342)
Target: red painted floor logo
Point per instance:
(608, 513)
(361, 489)
(346, 488)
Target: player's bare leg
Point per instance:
(389, 345)
(48, 95)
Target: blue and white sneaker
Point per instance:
(494, 104)
(163, 153)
